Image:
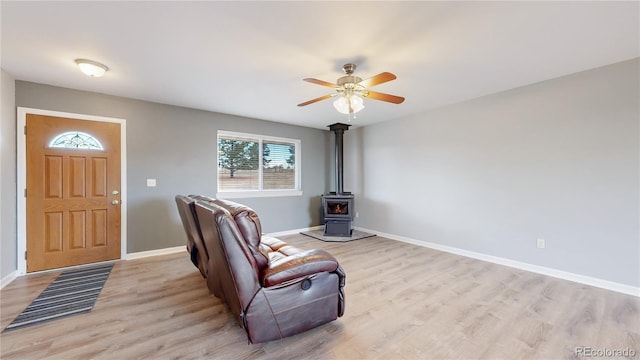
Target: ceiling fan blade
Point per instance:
(320, 82)
(384, 97)
(378, 79)
(317, 99)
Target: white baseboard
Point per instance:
(165, 251)
(581, 279)
(8, 279)
(293, 232)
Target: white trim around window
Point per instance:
(257, 190)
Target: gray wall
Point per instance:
(8, 261)
(557, 160)
(177, 146)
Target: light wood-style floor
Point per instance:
(403, 302)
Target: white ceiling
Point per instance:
(249, 58)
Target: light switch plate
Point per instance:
(151, 182)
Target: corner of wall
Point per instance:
(8, 241)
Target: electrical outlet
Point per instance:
(357, 214)
(540, 243)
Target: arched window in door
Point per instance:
(76, 140)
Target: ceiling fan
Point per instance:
(351, 89)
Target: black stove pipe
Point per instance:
(339, 129)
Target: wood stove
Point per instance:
(338, 214)
(339, 206)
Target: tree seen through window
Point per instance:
(256, 164)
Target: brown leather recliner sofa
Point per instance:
(273, 289)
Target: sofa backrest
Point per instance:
(198, 252)
(232, 258)
(249, 225)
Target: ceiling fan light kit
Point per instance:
(349, 104)
(351, 89)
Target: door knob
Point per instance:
(115, 202)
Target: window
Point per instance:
(254, 165)
(76, 140)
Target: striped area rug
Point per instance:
(73, 292)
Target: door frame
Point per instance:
(21, 185)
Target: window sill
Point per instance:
(257, 193)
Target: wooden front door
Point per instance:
(73, 191)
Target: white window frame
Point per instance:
(230, 194)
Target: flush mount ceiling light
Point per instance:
(91, 68)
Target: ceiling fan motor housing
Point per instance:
(349, 79)
(350, 82)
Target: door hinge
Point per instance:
(25, 192)
(25, 255)
(25, 129)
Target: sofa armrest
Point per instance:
(299, 265)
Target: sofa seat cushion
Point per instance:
(272, 243)
(299, 265)
(275, 249)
